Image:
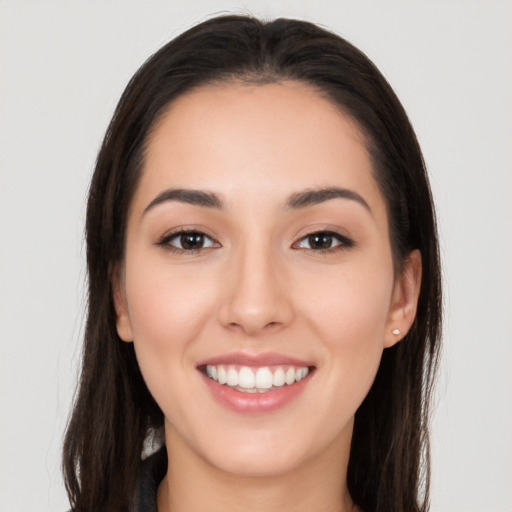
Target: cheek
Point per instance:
(168, 309)
(350, 319)
(350, 307)
(165, 304)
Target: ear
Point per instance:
(123, 324)
(404, 301)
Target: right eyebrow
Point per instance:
(189, 196)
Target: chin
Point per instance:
(267, 452)
(257, 463)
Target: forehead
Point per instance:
(256, 140)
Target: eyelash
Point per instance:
(344, 242)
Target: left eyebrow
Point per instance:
(317, 196)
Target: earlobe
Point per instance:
(123, 324)
(404, 301)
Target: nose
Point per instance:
(256, 299)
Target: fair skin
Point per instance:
(251, 279)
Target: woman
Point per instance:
(264, 284)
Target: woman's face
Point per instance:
(258, 284)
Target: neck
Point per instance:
(192, 484)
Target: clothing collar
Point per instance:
(151, 472)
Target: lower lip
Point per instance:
(255, 403)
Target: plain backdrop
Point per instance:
(63, 67)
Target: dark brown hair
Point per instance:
(113, 412)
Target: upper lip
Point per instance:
(257, 360)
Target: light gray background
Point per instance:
(64, 65)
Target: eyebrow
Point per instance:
(295, 201)
(195, 197)
(317, 196)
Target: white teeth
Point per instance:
(222, 375)
(246, 378)
(264, 378)
(256, 380)
(232, 377)
(278, 378)
(290, 375)
(247, 390)
(300, 373)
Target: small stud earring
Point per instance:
(396, 332)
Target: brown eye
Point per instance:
(320, 241)
(191, 241)
(324, 241)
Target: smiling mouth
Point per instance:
(264, 379)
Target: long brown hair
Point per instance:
(389, 463)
